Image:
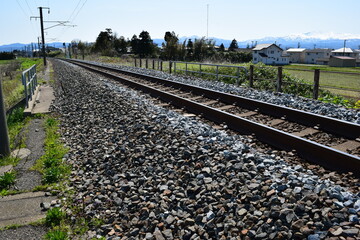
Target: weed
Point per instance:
(9, 160)
(56, 234)
(7, 180)
(52, 175)
(16, 122)
(54, 216)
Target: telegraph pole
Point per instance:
(207, 21)
(42, 35)
(42, 31)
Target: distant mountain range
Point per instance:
(306, 40)
(21, 46)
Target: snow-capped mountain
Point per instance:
(304, 40)
(311, 40)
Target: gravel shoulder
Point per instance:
(24, 232)
(34, 140)
(150, 173)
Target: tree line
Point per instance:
(110, 44)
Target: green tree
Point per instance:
(134, 43)
(145, 45)
(120, 45)
(233, 45)
(171, 46)
(82, 48)
(189, 49)
(222, 48)
(104, 42)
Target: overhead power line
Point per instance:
(22, 9)
(29, 7)
(79, 10)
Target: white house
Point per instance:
(347, 52)
(297, 55)
(270, 54)
(312, 55)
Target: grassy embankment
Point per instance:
(10, 71)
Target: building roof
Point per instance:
(295, 50)
(318, 50)
(341, 50)
(264, 46)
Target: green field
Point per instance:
(345, 83)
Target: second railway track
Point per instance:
(326, 141)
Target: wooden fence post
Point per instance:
(217, 72)
(135, 62)
(153, 64)
(279, 80)
(170, 65)
(161, 65)
(140, 62)
(251, 76)
(316, 83)
(238, 76)
(146, 63)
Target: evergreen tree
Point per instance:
(104, 41)
(222, 47)
(233, 45)
(134, 43)
(120, 45)
(189, 49)
(171, 47)
(145, 45)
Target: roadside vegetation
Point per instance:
(10, 72)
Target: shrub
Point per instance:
(54, 217)
(7, 180)
(56, 235)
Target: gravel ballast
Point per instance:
(151, 173)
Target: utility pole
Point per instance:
(42, 35)
(42, 31)
(4, 143)
(207, 22)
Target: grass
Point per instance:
(7, 180)
(12, 85)
(50, 164)
(323, 68)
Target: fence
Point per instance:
(29, 80)
(216, 71)
(346, 84)
(304, 82)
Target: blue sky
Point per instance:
(228, 19)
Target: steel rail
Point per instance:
(311, 151)
(331, 125)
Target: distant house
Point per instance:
(312, 55)
(346, 52)
(269, 54)
(297, 55)
(342, 61)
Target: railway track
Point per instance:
(329, 142)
